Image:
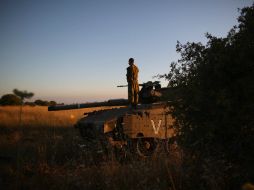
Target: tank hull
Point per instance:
(136, 130)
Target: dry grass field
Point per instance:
(46, 152)
(39, 116)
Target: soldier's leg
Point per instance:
(129, 93)
(132, 96)
(136, 97)
(136, 91)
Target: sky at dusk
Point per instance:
(78, 51)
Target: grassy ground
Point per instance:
(38, 116)
(46, 152)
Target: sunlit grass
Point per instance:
(39, 116)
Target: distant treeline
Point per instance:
(11, 99)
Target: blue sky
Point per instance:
(78, 51)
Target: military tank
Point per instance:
(124, 129)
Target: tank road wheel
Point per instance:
(146, 146)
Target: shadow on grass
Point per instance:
(54, 158)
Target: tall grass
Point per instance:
(46, 153)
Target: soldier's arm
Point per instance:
(137, 70)
(135, 73)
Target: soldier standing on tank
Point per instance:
(132, 79)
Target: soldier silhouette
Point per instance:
(132, 79)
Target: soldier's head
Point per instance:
(131, 61)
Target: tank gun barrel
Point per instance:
(149, 83)
(112, 102)
(120, 86)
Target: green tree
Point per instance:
(10, 99)
(41, 103)
(52, 103)
(22, 95)
(214, 107)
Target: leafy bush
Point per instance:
(214, 107)
(10, 99)
(44, 103)
(41, 102)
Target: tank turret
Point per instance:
(151, 92)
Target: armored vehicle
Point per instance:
(124, 129)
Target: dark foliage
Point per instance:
(29, 103)
(41, 103)
(23, 94)
(44, 103)
(52, 103)
(214, 107)
(10, 99)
